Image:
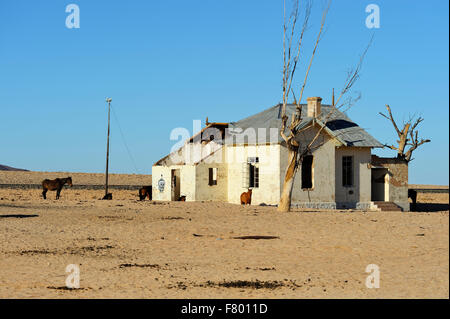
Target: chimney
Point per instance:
(314, 105)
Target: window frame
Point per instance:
(211, 180)
(347, 169)
(311, 173)
(253, 174)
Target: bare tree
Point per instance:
(290, 60)
(403, 140)
(292, 44)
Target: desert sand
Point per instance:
(131, 249)
(25, 178)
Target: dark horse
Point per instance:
(412, 193)
(145, 191)
(55, 185)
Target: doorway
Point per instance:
(380, 184)
(175, 179)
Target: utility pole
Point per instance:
(108, 100)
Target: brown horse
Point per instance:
(55, 185)
(145, 191)
(246, 197)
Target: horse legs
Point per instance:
(58, 191)
(44, 192)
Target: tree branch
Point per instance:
(391, 118)
(408, 129)
(322, 23)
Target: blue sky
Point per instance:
(166, 64)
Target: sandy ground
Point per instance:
(131, 249)
(7, 177)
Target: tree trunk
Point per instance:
(403, 140)
(285, 200)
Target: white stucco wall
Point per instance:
(323, 172)
(204, 191)
(187, 181)
(207, 192)
(361, 175)
(268, 191)
(159, 172)
(327, 175)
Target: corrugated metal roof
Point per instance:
(339, 125)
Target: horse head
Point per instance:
(69, 181)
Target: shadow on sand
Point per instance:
(429, 207)
(18, 216)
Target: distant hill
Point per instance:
(9, 168)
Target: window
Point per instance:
(250, 173)
(254, 176)
(212, 176)
(307, 172)
(347, 171)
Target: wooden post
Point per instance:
(107, 149)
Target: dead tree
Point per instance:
(292, 45)
(291, 54)
(407, 136)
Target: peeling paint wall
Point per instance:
(397, 179)
(207, 192)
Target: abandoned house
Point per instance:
(225, 159)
